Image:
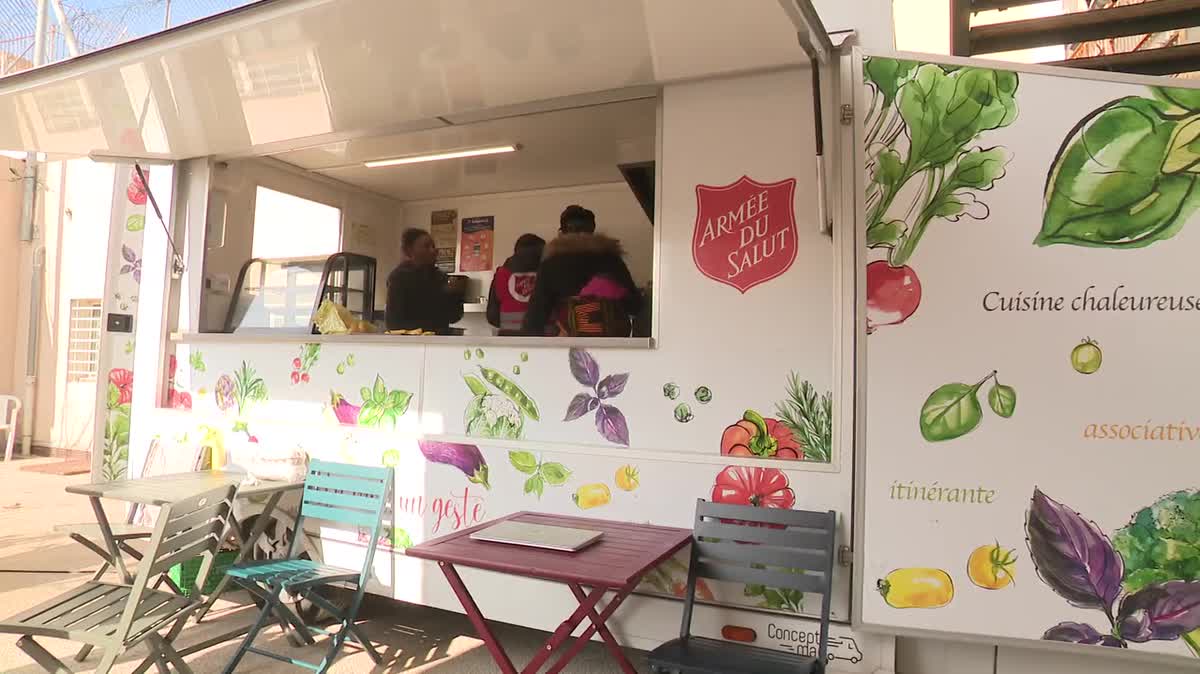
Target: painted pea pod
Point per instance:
(510, 389)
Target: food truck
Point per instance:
(770, 177)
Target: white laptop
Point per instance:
(543, 536)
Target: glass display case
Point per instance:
(284, 294)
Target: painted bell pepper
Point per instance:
(757, 436)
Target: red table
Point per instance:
(616, 563)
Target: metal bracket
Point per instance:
(847, 114)
(845, 556)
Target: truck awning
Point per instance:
(284, 74)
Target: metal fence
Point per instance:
(90, 25)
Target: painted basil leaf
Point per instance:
(944, 111)
(612, 385)
(1081, 633)
(887, 75)
(1188, 99)
(949, 412)
(611, 424)
(1072, 555)
(584, 367)
(1164, 611)
(525, 462)
(535, 485)
(1106, 187)
(578, 406)
(1003, 400)
(555, 473)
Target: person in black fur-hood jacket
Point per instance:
(579, 261)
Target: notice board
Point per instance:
(1029, 463)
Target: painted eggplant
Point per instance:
(345, 411)
(466, 458)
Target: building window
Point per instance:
(288, 226)
(83, 343)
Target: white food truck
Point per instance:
(769, 177)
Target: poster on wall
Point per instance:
(1029, 241)
(442, 226)
(475, 252)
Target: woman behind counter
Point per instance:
(418, 293)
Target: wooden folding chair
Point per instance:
(116, 617)
(337, 493)
(792, 549)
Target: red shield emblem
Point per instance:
(745, 232)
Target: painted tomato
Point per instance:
(179, 400)
(758, 436)
(122, 380)
(136, 192)
(703, 591)
(759, 487)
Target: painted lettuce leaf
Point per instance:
(1187, 99)
(1081, 633)
(1164, 611)
(1072, 555)
(887, 75)
(1110, 186)
(1162, 541)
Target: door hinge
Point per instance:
(845, 555)
(847, 113)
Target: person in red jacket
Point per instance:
(513, 284)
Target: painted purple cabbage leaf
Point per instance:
(1072, 555)
(611, 424)
(584, 367)
(1163, 611)
(466, 458)
(1081, 633)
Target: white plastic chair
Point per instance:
(10, 410)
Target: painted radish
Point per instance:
(893, 294)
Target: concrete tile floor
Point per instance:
(36, 564)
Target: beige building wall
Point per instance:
(10, 272)
(924, 26)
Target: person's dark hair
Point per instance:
(577, 219)
(410, 237)
(527, 253)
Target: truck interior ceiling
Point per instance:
(274, 221)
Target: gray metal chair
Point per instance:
(791, 549)
(115, 617)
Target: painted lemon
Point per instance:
(1086, 357)
(916, 588)
(592, 495)
(991, 567)
(627, 478)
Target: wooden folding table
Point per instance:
(616, 563)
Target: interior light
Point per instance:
(438, 156)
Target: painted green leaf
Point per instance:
(555, 473)
(113, 395)
(400, 539)
(535, 485)
(370, 415)
(525, 462)
(1188, 99)
(1003, 400)
(379, 393)
(366, 394)
(978, 169)
(477, 387)
(949, 412)
(945, 111)
(197, 361)
(1106, 187)
(888, 75)
(888, 167)
(1183, 152)
(887, 234)
(135, 223)
(397, 402)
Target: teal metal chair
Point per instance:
(337, 493)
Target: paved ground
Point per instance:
(36, 564)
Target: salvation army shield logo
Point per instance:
(745, 231)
